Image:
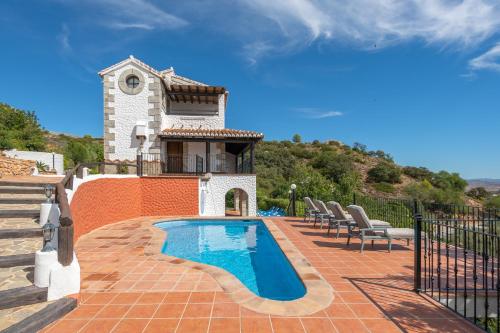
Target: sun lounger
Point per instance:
(341, 220)
(371, 231)
(311, 210)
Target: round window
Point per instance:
(132, 81)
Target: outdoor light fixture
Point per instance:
(292, 199)
(48, 233)
(48, 189)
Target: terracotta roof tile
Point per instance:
(210, 133)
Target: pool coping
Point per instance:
(319, 294)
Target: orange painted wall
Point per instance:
(169, 196)
(105, 201)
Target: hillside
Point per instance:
(322, 168)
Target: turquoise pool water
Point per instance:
(244, 248)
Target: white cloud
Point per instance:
(130, 14)
(63, 38)
(490, 60)
(294, 24)
(315, 113)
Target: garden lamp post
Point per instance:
(293, 187)
(48, 233)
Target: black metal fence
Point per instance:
(456, 251)
(153, 164)
(457, 262)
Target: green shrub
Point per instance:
(384, 187)
(493, 203)
(420, 173)
(297, 138)
(384, 172)
(333, 165)
(479, 193)
(20, 129)
(266, 203)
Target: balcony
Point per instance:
(195, 164)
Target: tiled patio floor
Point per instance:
(127, 289)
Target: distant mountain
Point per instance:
(491, 185)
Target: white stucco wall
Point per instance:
(54, 161)
(129, 109)
(213, 193)
(187, 121)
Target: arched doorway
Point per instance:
(236, 202)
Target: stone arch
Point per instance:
(236, 202)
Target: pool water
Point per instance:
(244, 248)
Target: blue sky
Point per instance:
(417, 79)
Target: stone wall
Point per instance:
(15, 167)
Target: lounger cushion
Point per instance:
(400, 233)
(378, 223)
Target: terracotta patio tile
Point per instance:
(256, 325)
(222, 297)
(176, 297)
(192, 326)
(224, 325)
(366, 311)
(142, 311)
(113, 311)
(381, 326)
(202, 297)
(349, 325)
(101, 298)
(161, 325)
(353, 297)
(99, 325)
(197, 311)
(246, 313)
(226, 310)
(126, 298)
(287, 325)
(318, 325)
(131, 326)
(67, 325)
(173, 310)
(84, 311)
(151, 298)
(341, 310)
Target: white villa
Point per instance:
(174, 126)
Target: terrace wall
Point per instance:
(104, 201)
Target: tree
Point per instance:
(333, 165)
(297, 138)
(479, 193)
(384, 172)
(77, 152)
(359, 147)
(20, 129)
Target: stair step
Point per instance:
(5, 213)
(21, 190)
(22, 296)
(20, 233)
(20, 201)
(44, 317)
(22, 184)
(17, 260)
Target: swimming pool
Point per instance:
(244, 248)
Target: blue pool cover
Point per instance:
(244, 248)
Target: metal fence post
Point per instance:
(417, 264)
(139, 165)
(353, 198)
